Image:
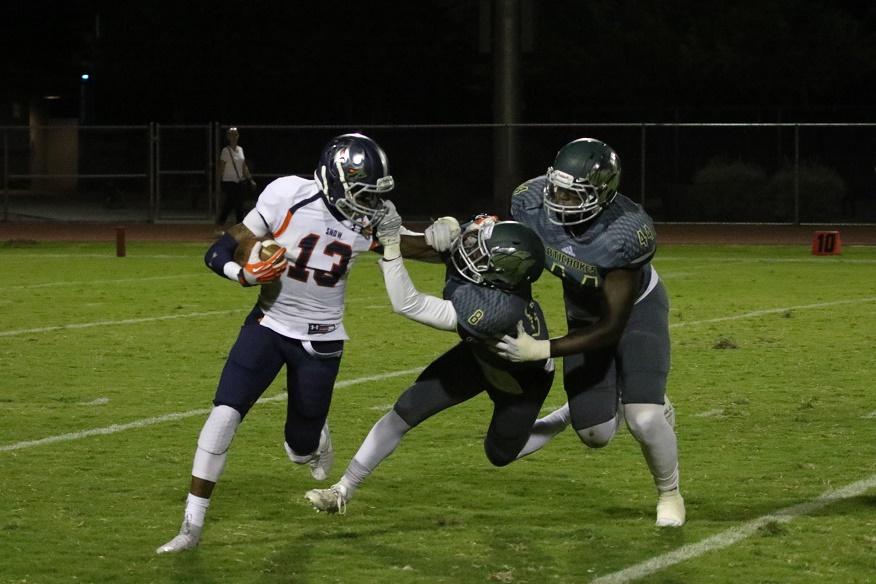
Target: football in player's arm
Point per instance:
(616, 352)
(485, 295)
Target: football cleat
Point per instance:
(330, 500)
(321, 463)
(187, 539)
(670, 509)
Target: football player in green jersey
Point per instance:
(487, 294)
(616, 351)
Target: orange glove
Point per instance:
(267, 262)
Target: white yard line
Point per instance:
(233, 311)
(710, 413)
(109, 255)
(142, 423)
(84, 325)
(730, 536)
(93, 282)
(774, 311)
(813, 260)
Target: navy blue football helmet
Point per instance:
(353, 173)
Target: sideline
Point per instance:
(730, 536)
(142, 423)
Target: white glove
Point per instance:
(262, 271)
(523, 348)
(389, 228)
(389, 232)
(442, 233)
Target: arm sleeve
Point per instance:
(220, 258)
(409, 302)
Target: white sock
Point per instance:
(196, 509)
(381, 441)
(648, 424)
(544, 429)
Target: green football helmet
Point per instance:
(503, 254)
(582, 181)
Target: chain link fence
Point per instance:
(782, 173)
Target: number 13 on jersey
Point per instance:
(328, 278)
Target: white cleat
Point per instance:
(321, 463)
(187, 539)
(670, 509)
(330, 500)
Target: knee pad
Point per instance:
(214, 441)
(599, 435)
(645, 420)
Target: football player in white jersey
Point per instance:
(298, 244)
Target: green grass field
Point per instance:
(99, 353)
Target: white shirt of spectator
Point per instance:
(229, 156)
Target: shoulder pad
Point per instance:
(632, 234)
(280, 195)
(527, 196)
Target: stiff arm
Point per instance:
(413, 304)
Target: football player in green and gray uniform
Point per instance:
(616, 352)
(487, 294)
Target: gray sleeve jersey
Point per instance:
(622, 236)
(485, 313)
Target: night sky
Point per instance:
(430, 61)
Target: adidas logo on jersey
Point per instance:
(568, 250)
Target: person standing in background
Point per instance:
(235, 178)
